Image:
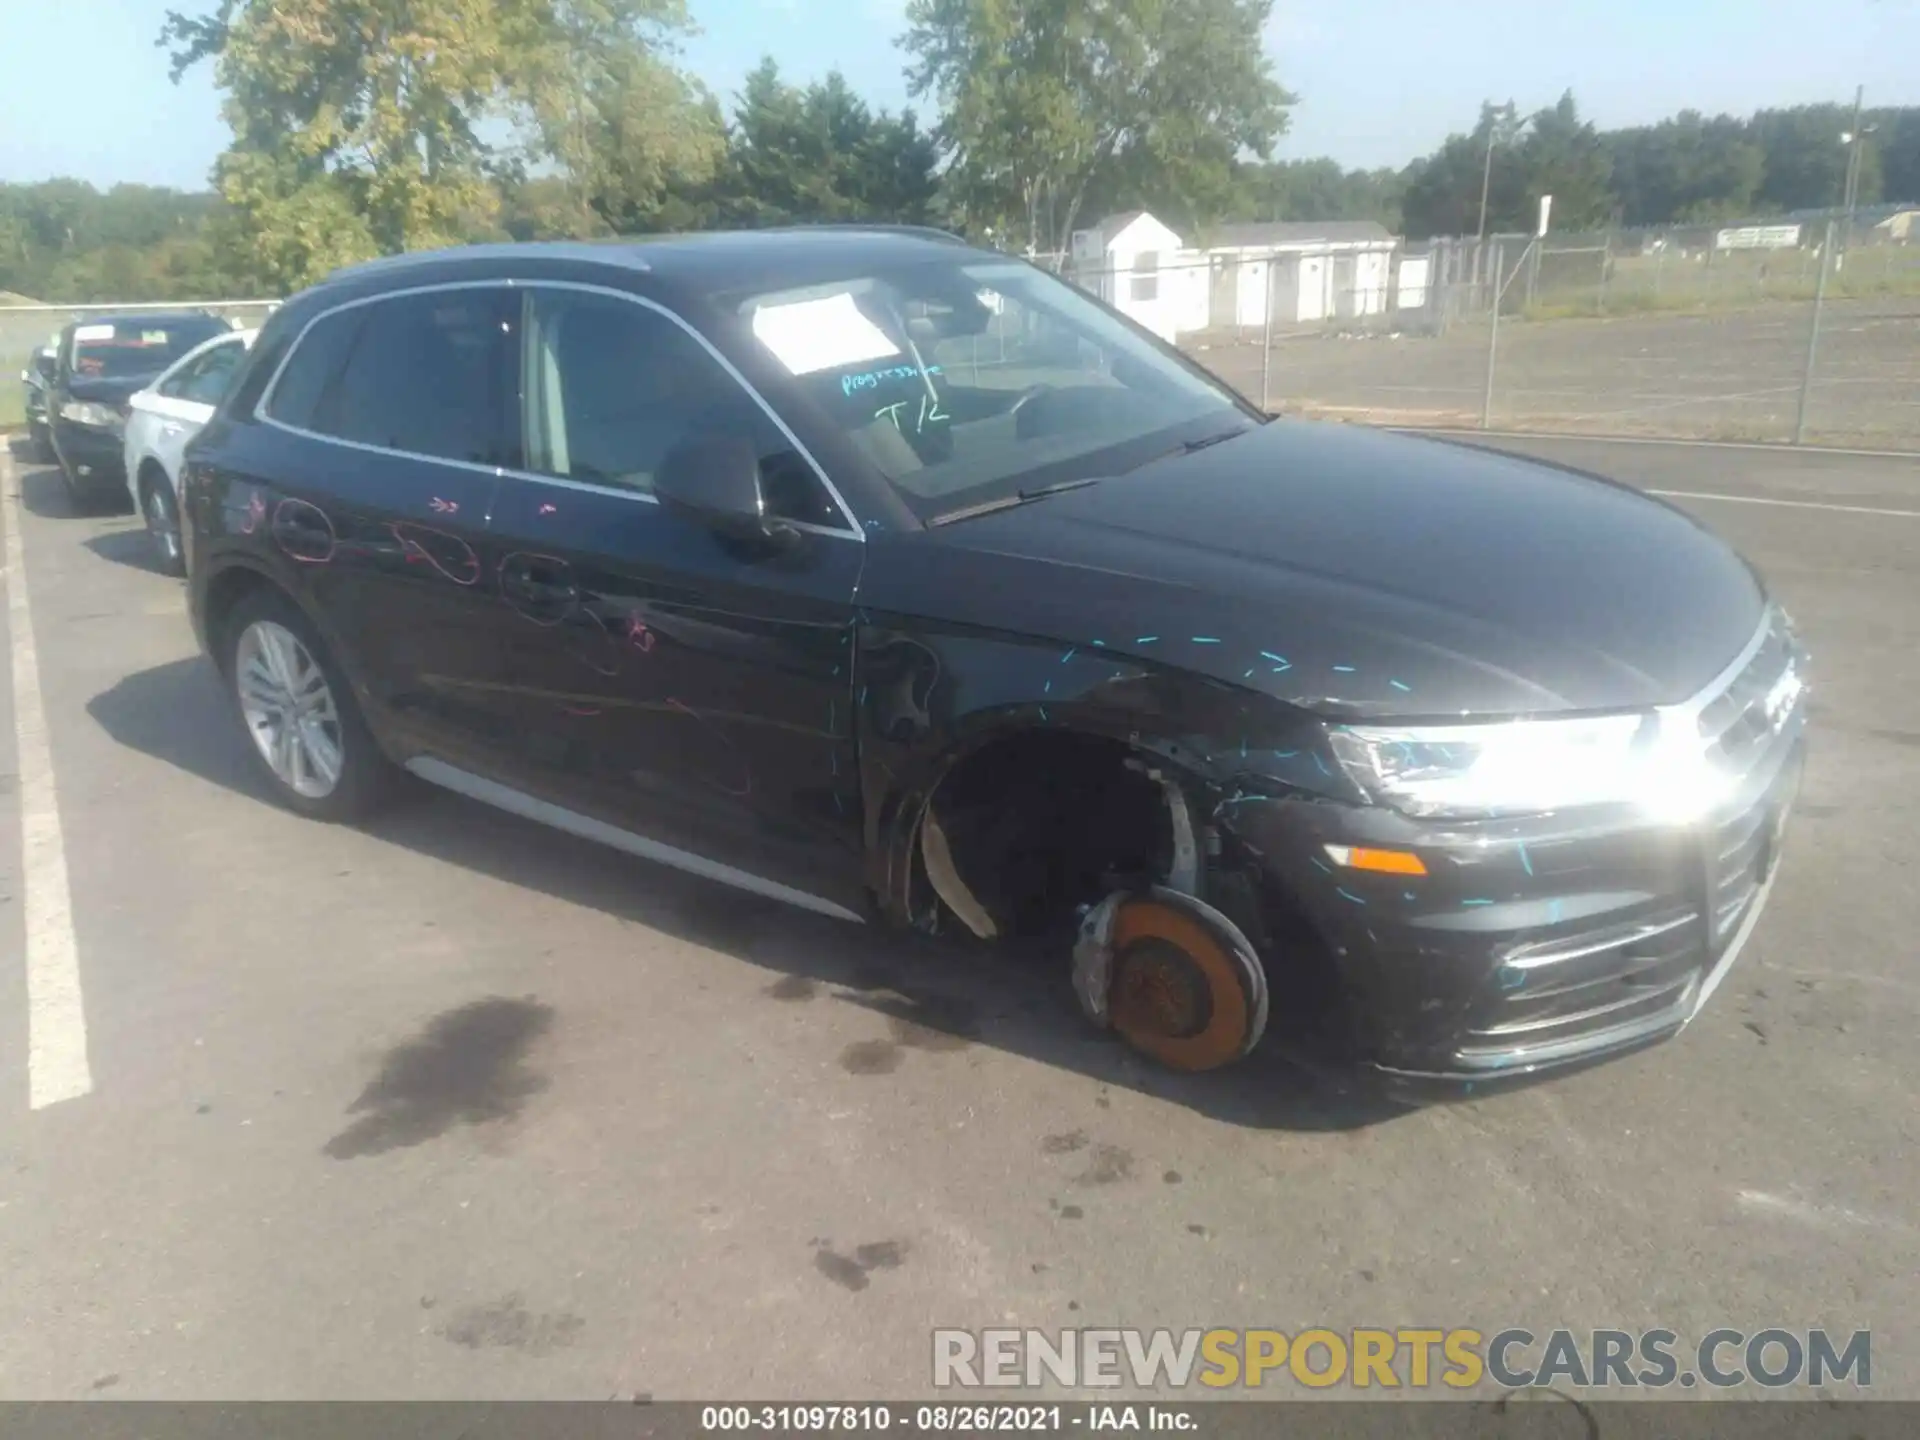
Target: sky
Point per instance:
(1379, 81)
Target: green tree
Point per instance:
(1442, 191)
(360, 126)
(1806, 160)
(1046, 104)
(822, 155)
(1688, 168)
(1562, 155)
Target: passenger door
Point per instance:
(397, 415)
(179, 407)
(670, 682)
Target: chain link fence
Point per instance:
(1791, 332)
(1801, 331)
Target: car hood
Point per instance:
(1353, 572)
(111, 390)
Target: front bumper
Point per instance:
(1530, 946)
(96, 456)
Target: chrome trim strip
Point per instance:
(1574, 1047)
(1736, 944)
(1682, 982)
(1599, 947)
(1690, 708)
(528, 807)
(1522, 1060)
(262, 407)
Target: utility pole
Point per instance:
(1486, 180)
(1852, 188)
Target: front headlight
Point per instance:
(1524, 767)
(91, 412)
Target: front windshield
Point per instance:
(110, 351)
(964, 381)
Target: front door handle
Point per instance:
(538, 583)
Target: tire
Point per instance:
(40, 446)
(162, 516)
(265, 638)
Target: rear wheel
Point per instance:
(306, 730)
(158, 509)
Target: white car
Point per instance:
(162, 419)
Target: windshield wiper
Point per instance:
(1187, 447)
(1008, 502)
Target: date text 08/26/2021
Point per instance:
(938, 1419)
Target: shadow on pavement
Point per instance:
(931, 995)
(132, 548)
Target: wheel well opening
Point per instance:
(224, 594)
(1028, 829)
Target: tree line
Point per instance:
(362, 127)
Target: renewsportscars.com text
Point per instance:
(1418, 1359)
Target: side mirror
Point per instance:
(715, 480)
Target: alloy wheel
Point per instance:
(289, 709)
(166, 536)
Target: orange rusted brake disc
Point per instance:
(1186, 987)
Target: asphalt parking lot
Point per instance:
(455, 1106)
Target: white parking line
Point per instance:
(1788, 504)
(56, 1012)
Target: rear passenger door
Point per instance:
(400, 413)
(670, 682)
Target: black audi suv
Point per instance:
(900, 580)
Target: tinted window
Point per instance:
(212, 373)
(318, 356)
(431, 374)
(612, 386)
(205, 378)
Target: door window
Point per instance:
(612, 386)
(432, 373)
(206, 379)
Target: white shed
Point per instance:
(1139, 266)
(1313, 270)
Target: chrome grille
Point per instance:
(1738, 845)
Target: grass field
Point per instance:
(1716, 374)
(13, 396)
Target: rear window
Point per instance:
(116, 349)
(318, 356)
(432, 373)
